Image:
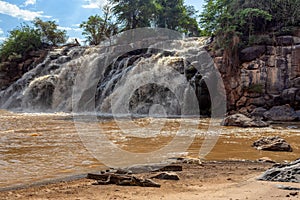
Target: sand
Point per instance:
(235, 180)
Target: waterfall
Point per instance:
(146, 80)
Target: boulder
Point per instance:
(283, 173)
(243, 121)
(272, 144)
(281, 113)
(258, 112)
(251, 53)
(289, 95)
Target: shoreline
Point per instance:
(209, 180)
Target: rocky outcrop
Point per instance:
(281, 113)
(272, 144)
(251, 53)
(283, 173)
(14, 68)
(268, 76)
(243, 121)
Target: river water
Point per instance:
(37, 147)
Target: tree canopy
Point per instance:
(26, 38)
(238, 23)
(156, 13)
(49, 32)
(97, 29)
(20, 41)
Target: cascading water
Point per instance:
(49, 86)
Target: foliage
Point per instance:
(20, 41)
(236, 23)
(156, 13)
(176, 16)
(97, 29)
(49, 32)
(134, 14)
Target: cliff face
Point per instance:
(12, 70)
(268, 76)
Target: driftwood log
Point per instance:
(121, 179)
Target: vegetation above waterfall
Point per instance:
(25, 38)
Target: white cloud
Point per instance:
(69, 28)
(29, 2)
(1, 31)
(94, 3)
(14, 11)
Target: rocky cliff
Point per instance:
(268, 76)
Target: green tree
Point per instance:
(134, 13)
(49, 32)
(97, 29)
(176, 16)
(20, 41)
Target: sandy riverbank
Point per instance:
(211, 180)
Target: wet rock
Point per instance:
(272, 144)
(243, 121)
(281, 113)
(283, 173)
(54, 56)
(195, 161)
(166, 176)
(63, 59)
(258, 112)
(251, 53)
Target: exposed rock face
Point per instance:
(243, 121)
(281, 113)
(12, 70)
(272, 144)
(268, 76)
(283, 173)
(259, 112)
(251, 53)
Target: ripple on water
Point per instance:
(35, 147)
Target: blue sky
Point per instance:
(68, 13)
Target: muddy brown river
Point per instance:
(41, 147)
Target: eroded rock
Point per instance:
(281, 113)
(283, 173)
(251, 53)
(272, 144)
(243, 121)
